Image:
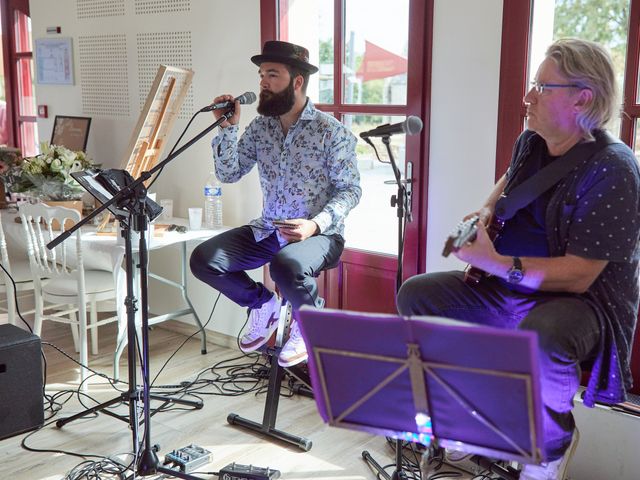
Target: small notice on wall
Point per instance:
(54, 61)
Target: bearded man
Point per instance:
(309, 179)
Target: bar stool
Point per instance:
(276, 373)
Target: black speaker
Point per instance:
(21, 393)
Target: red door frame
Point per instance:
(10, 60)
(516, 24)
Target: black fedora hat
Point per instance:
(287, 53)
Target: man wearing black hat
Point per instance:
(308, 174)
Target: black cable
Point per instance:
(24, 445)
(15, 297)
(174, 147)
(213, 309)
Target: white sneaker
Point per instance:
(294, 351)
(263, 322)
(554, 470)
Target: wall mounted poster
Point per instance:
(54, 61)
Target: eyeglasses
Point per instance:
(541, 87)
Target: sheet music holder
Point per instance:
(427, 379)
(103, 184)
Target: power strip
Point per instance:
(236, 471)
(188, 459)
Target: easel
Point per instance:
(166, 95)
(428, 380)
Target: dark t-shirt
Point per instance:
(525, 234)
(594, 212)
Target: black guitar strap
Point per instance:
(536, 185)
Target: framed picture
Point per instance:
(71, 132)
(54, 61)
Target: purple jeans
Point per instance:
(567, 328)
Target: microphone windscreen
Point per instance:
(247, 98)
(412, 125)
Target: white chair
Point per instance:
(68, 287)
(19, 270)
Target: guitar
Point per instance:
(465, 232)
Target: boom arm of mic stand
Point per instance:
(144, 176)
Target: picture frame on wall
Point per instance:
(71, 132)
(54, 61)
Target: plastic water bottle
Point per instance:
(212, 202)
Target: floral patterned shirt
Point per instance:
(311, 173)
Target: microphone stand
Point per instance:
(402, 201)
(133, 197)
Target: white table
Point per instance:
(168, 238)
(106, 252)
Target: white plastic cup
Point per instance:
(167, 208)
(195, 218)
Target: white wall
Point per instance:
(464, 115)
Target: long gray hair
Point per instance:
(589, 65)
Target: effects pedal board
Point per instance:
(188, 459)
(235, 471)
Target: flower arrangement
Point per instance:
(49, 174)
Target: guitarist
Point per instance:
(565, 265)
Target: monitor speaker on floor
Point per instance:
(21, 394)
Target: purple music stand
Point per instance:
(427, 379)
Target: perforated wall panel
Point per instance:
(164, 48)
(103, 75)
(99, 8)
(144, 7)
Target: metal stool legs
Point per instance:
(276, 372)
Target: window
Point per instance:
(530, 26)
(26, 106)
(363, 82)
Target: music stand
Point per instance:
(428, 379)
(131, 195)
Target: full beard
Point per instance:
(276, 104)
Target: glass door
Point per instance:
(373, 71)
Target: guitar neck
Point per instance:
(473, 275)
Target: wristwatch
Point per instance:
(515, 274)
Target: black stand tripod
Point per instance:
(402, 202)
(133, 198)
(276, 374)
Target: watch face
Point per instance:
(515, 275)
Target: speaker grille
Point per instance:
(99, 8)
(103, 74)
(145, 7)
(163, 48)
(21, 404)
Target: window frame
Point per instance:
(516, 28)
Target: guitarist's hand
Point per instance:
(484, 214)
(481, 253)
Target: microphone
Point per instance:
(245, 99)
(410, 126)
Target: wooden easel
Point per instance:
(156, 119)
